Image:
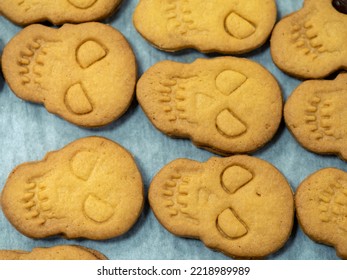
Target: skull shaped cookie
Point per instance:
(316, 114)
(241, 206)
(311, 43)
(84, 73)
(226, 26)
(321, 204)
(227, 105)
(24, 12)
(62, 252)
(91, 188)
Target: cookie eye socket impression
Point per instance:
(82, 4)
(238, 26)
(235, 177)
(340, 6)
(82, 164)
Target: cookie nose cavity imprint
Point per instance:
(229, 125)
(89, 53)
(83, 164)
(77, 101)
(97, 210)
(82, 4)
(228, 81)
(230, 225)
(238, 27)
(340, 6)
(234, 177)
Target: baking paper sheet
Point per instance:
(28, 132)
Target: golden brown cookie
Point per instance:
(316, 114)
(321, 205)
(84, 73)
(62, 252)
(240, 205)
(91, 188)
(311, 43)
(24, 12)
(226, 104)
(225, 26)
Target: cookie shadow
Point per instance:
(119, 12)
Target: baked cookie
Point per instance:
(321, 208)
(316, 114)
(226, 104)
(24, 12)
(84, 73)
(311, 43)
(62, 252)
(241, 205)
(91, 188)
(225, 26)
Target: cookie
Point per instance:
(91, 188)
(311, 43)
(24, 12)
(321, 208)
(229, 27)
(62, 252)
(316, 114)
(226, 104)
(240, 205)
(84, 73)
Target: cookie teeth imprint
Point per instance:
(178, 103)
(333, 204)
(179, 197)
(30, 60)
(37, 204)
(311, 43)
(179, 16)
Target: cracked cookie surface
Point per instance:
(316, 114)
(208, 26)
(228, 105)
(25, 12)
(84, 73)
(321, 204)
(91, 188)
(311, 43)
(240, 205)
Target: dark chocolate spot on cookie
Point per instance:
(340, 6)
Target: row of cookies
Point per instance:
(240, 205)
(309, 43)
(90, 82)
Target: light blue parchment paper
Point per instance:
(28, 132)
